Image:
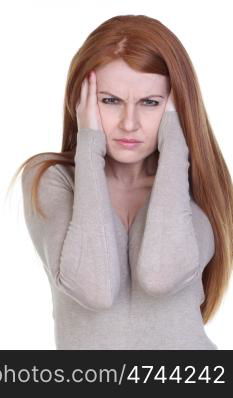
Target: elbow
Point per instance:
(169, 275)
(156, 287)
(92, 299)
(97, 304)
(164, 285)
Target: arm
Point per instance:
(169, 254)
(77, 242)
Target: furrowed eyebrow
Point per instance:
(148, 96)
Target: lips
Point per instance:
(127, 144)
(133, 141)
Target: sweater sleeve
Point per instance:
(77, 242)
(169, 258)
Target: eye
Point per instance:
(156, 103)
(112, 100)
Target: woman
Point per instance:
(136, 240)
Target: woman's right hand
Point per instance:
(87, 109)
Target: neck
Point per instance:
(130, 174)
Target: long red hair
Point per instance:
(147, 45)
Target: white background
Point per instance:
(38, 40)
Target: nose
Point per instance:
(129, 118)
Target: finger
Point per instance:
(83, 92)
(92, 97)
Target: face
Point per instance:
(132, 108)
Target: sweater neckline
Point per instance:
(127, 232)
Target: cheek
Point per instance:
(151, 141)
(106, 110)
(152, 124)
(108, 118)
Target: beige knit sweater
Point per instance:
(114, 289)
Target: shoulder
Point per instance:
(56, 172)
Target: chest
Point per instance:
(127, 202)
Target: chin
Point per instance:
(128, 157)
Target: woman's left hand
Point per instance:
(170, 104)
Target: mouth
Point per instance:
(128, 140)
(129, 143)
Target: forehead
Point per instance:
(118, 77)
